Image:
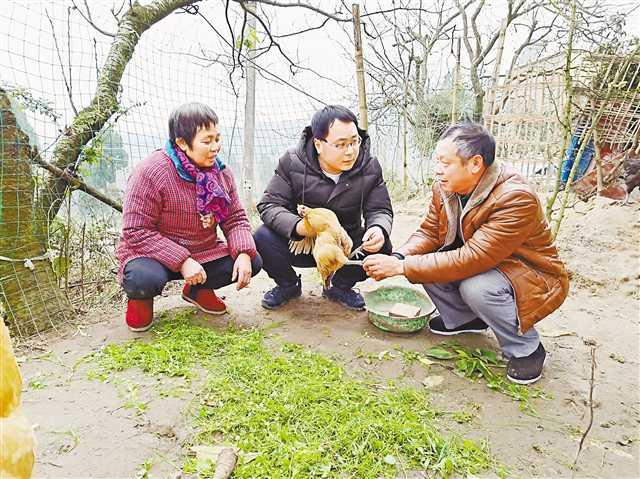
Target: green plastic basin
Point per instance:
(380, 301)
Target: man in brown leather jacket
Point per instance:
(484, 252)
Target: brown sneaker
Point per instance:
(205, 299)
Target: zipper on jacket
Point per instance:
(460, 218)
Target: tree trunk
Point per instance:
(30, 298)
(478, 106)
(478, 93)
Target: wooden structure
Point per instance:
(524, 113)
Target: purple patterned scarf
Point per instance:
(210, 197)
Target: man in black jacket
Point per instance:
(331, 167)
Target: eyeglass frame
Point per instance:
(354, 144)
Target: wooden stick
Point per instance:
(362, 92)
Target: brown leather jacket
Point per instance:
(503, 227)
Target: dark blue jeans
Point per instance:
(145, 278)
(278, 261)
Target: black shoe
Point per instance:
(528, 369)
(280, 295)
(436, 326)
(346, 297)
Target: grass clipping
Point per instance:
(294, 413)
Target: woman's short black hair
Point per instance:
(472, 139)
(185, 121)
(323, 119)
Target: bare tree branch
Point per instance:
(67, 81)
(87, 18)
(300, 32)
(261, 69)
(301, 5)
(233, 37)
(76, 183)
(272, 41)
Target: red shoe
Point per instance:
(139, 315)
(205, 299)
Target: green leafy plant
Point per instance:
(481, 363)
(249, 41)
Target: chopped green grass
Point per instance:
(293, 412)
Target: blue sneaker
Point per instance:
(346, 297)
(280, 295)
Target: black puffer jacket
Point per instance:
(360, 192)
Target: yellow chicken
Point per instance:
(16, 435)
(328, 242)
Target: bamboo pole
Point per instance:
(456, 79)
(362, 92)
(598, 160)
(405, 162)
(249, 118)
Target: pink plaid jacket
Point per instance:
(160, 221)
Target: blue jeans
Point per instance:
(144, 278)
(488, 296)
(279, 261)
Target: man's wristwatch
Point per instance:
(400, 256)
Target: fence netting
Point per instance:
(50, 64)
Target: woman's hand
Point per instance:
(193, 272)
(241, 271)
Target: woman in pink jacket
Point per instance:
(176, 198)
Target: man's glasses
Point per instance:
(345, 146)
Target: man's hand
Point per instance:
(300, 229)
(381, 266)
(193, 272)
(373, 240)
(241, 271)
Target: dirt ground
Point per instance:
(83, 430)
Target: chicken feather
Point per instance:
(327, 241)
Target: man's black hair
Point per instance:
(185, 121)
(323, 119)
(472, 139)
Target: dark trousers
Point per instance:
(279, 261)
(145, 278)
